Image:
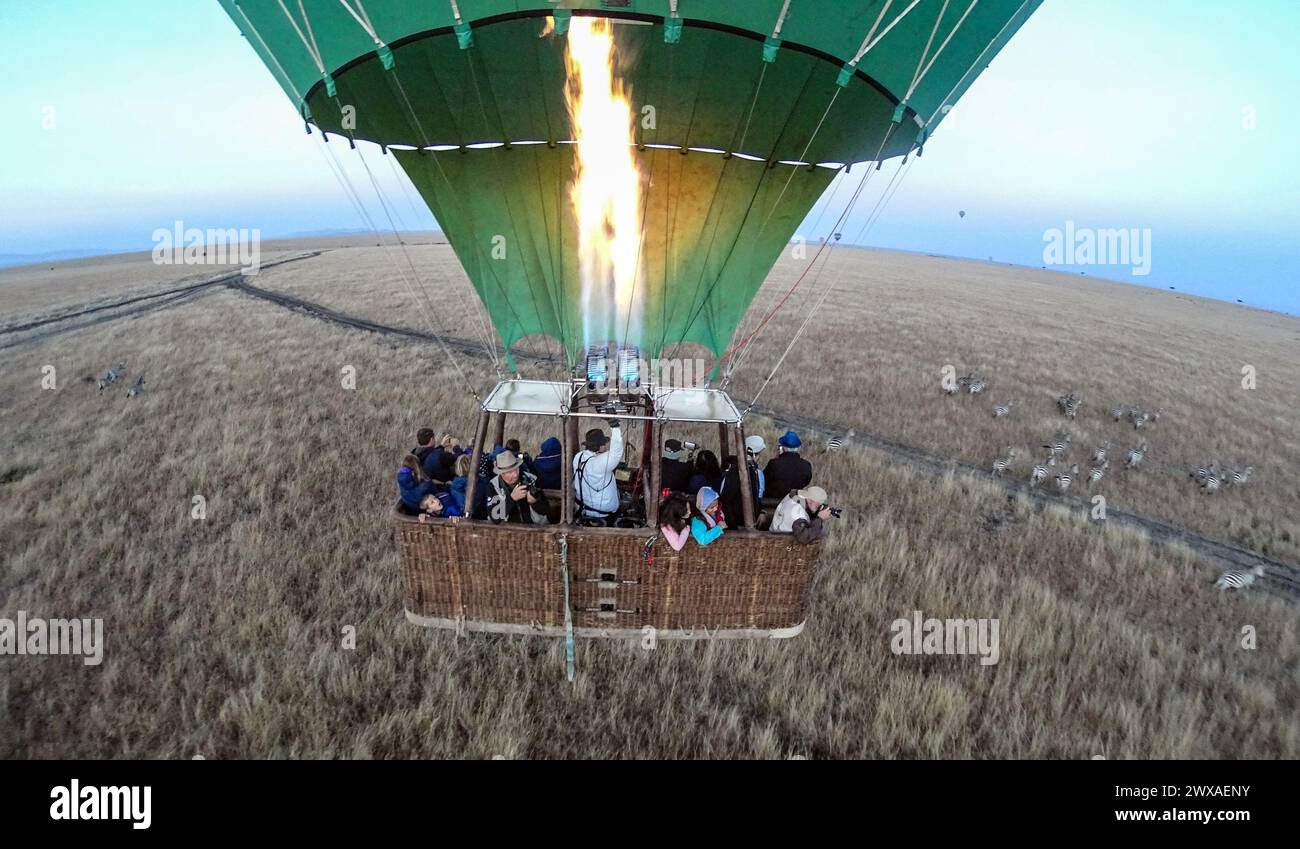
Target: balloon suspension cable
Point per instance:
(890, 190)
(484, 327)
(922, 69)
(867, 44)
(739, 352)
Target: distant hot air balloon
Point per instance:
(838, 236)
(961, 214)
(727, 104)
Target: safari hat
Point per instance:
(813, 493)
(595, 438)
(755, 444)
(504, 462)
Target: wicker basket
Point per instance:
(478, 576)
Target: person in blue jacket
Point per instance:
(412, 485)
(438, 505)
(707, 521)
(548, 464)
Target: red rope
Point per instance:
(781, 303)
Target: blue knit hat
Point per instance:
(789, 439)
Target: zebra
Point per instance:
(976, 385)
(1059, 445)
(835, 443)
(1099, 455)
(1003, 464)
(1238, 579)
(1064, 479)
(1002, 410)
(1212, 483)
(1120, 411)
(1038, 475)
(1069, 405)
(1096, 473)
(1141, 418)
(112, 375)
(1238, 477)
(136, 388)
(1201, 473)
(1135, 456)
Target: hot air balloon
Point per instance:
(961, 214)
(621, 175)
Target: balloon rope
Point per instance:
(886, 197)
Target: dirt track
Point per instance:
(1280, 577)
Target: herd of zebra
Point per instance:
(115, 373)
(1209, 477)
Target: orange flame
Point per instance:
(606, 190)
(549, 28)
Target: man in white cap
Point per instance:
(802, 513)
(754, 447)
(514, 494)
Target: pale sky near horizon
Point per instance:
(1105, 113)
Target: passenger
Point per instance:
(486, 461)
(549, 465)
(593, 472)
(515, 495)
(707, 473)
(437, 505)
(754, 448)
(460, 482)
(707, 523)
(675, 518)
(425, 441)
(513, 446)
(733, 503)
(802, 513)
(451, 449)
(674, 470)
(412, 485)
(787, 471)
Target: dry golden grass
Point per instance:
(223, 635)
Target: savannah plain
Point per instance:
(223, 635)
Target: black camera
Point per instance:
(834, 511)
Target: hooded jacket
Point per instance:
(411, 489)
(549, 465)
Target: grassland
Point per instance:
(224, 634)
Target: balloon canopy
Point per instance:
(741, 115)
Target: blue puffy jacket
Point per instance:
(411, 489)
(548, 465)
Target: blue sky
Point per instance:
(1105, 113)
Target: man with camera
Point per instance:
(803, 514)
(675, 468)
(593, 472)
(514, 495)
